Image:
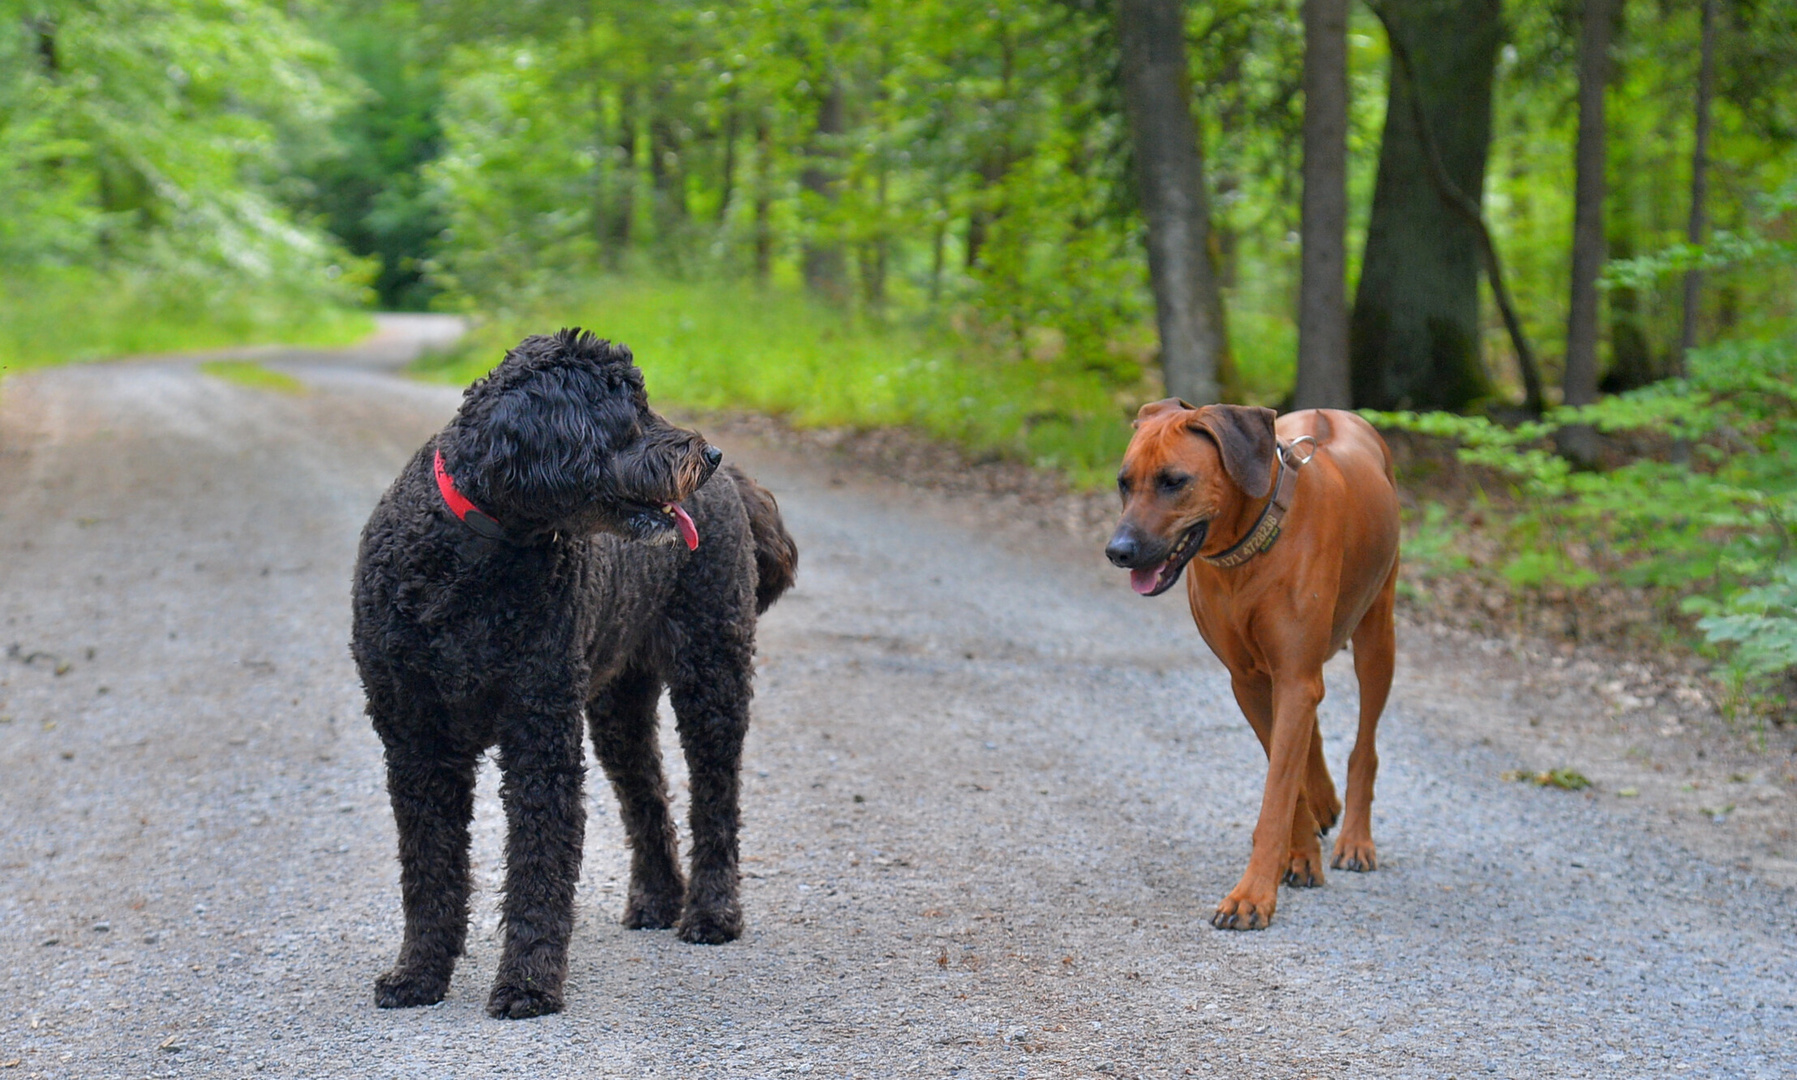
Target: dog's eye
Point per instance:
(1170, 483)
(1123, 486)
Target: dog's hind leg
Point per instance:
(711, 692)
(1319, 787)
(622, 719)
(432, 792)
(1375, 654)
(541, 766)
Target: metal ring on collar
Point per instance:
(1287, 451)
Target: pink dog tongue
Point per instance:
(1144, 580)
(684, 522)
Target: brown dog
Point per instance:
(1291, 531)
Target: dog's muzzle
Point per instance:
(1154, 568)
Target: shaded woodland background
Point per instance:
(1556, 234)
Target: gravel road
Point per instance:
(991, 798)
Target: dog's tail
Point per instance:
(776, 556)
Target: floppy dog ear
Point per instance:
(1155, 408)
(542, 445)
(1244, 436)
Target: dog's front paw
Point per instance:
(403, 989)
(1240, 912)
(1357, 855)
(651, 911)
(1306, 869)
(509, 1002)
(711, 926)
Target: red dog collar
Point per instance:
(466, 512)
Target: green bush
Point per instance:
(1761, 621)
(1708, 519)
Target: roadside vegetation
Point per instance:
(81, 314)
(253, 375)
(739, 346)
(1694, 520)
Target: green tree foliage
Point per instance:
(146, 148)
(980, 158)
(159, 131)
(1530, 181)
(369, 189)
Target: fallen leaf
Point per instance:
(1565, 779)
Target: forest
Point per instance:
(1553, 236)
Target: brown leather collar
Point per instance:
(1266, 527)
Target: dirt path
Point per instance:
(991, 797)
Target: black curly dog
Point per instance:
(529, 563)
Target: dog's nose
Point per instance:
(1122, 550)
(712, 456)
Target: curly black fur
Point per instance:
(588, 602)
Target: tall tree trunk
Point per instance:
(667, 172)
(728, 181)
(874, 253)
(602, 181)
(1631, 357)
(1580, 442)
(623, 210)
(992, 169)
(997, 160)
(764, 195)
(1170, 175)
(976, 239)
(1413, 340)
(938, 252)
(824, 265)
(1580, 381)
(43, 28)
(1322, 289)
(1700, 182)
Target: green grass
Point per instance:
(726, 346)
(253, 375)
(74, 316)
